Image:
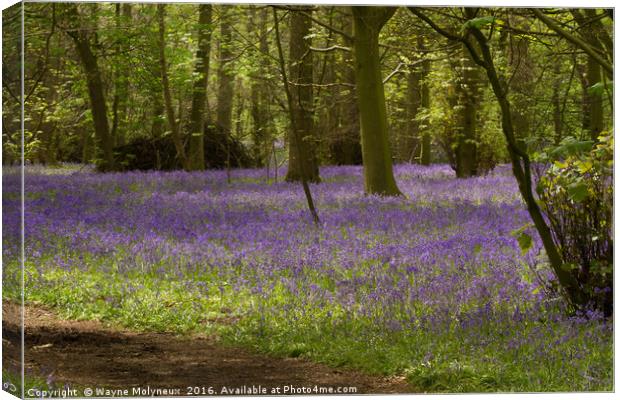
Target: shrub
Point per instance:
(576, 194)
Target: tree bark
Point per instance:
(345, 144)
(163, 65)
(468, 98)
(425, 103)
(594, 98)
(378, 174)
(196, 155)
(575, 40)
(121, 80)
(557, 108)
(260, 98)
(417, 142)
(301, 144)
(225, 74)
(289, 99)
(88, 59)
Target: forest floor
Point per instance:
(88, 354)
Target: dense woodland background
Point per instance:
(195, 86)
(102, 76)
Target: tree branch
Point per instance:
(554, 26)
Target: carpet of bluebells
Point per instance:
(432, 286)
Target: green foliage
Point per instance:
(479, 23)
(576, 193)
(569, 147)
(599, 88)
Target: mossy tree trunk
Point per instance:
(377, 159)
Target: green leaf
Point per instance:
(599, 88)
(571, 146)
(584, 166)
(478, 23)
(577, 191)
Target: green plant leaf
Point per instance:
(478, 23)
(599, 88)
(571, 146)
(577, 191)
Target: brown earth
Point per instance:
(87, 354)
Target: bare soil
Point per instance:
(87, 354)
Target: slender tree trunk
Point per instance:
(595, 99)
(410, 139)
(225, 75)
(81, 39)
(521, 169)
(163, 65)
(196, 155)
(519, 159)
(425, 151)
(378, 174)
(302, 144)
(121, 80)
(260, 99)
(418, 95)
(557, 106)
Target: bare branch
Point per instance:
(330, 48)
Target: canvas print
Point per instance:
(206, 199)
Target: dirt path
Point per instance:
(87, 354)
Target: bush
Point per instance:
(576, 194)
(221, 150)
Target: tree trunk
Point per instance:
(121, 79)
(557, 107)
(345, 144)
(196, 155)
(410, 144)
(378, 174)
(163, 65)
(417, 141)
(593, 33)
(294, 123)
(225, 74)
(425, 151)
(594, 98)
(88, 59)
(303, 142)
(468, 98)
(259, 96)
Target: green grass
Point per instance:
(453, 360)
